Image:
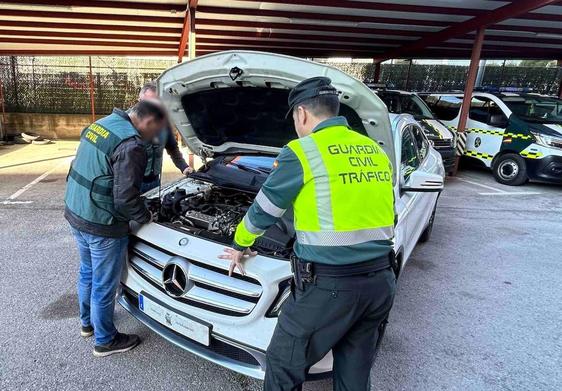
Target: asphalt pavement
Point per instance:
(477, 307)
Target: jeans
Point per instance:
(146, 186)
(101, 263)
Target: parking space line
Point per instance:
(496, 190)
(11, 199)
(513, 193)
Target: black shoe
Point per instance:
(121, 343)
(86, 331)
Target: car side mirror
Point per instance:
(498, 120)
(421, 181)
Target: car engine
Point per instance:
(213, 212)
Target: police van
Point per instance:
(405, 102)
(518, 135)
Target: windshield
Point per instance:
(535, 108)
(406, 104)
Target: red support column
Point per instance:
(471, 78)
(469, 86)
(92, 103)
(188, 31)
(184, 35)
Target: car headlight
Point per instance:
(282, 296)
(548, 141)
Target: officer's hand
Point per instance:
(188, 170)
(236, 257)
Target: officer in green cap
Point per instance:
(344, 220)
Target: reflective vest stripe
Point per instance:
(268, 206)
(321, 183)
(344, 238)
(91, 186)
(251, 228)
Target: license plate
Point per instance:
(179, 323)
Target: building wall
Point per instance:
(51, 126)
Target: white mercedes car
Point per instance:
(230, 109)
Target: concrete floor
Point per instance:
(478, 307)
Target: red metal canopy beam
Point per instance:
(307, 27)
(89, 26)
(109, 36)
(298, 37)
(74, 42)
(378, 6)
(93, 16)
(410, 8)
(510, 10)
(319, 16)
(102, 4)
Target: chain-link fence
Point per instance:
(60, 85)
(439, 78)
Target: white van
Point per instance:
(517, 135)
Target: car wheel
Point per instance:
(426, 234)
(510, 169)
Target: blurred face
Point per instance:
(148, 94)
(148, 127)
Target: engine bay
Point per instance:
(213, 212)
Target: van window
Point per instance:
(482, 109)
(446, 107)
(409, 160)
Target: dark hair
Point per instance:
(149, 86)
(149, 108)
(322, 105)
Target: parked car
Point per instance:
(405, 102)
(517, 135)
(230, 107)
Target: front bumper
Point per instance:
(448, 154)
(216, 299)
(547, 169)
(222, 351)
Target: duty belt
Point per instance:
(306, 272)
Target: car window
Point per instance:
(409, 160)
(445, 107)
(482, 109)
(421, 142)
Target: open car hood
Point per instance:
(235, 102)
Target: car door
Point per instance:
(484, 140)
(411, 201)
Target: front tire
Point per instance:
(426, 234)
(510, 169)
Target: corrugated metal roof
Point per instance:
(311, 28)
